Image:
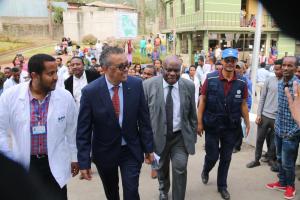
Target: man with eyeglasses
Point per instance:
(114, 124)
(171, 102)
(223, 102)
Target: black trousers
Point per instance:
(40, 171)
(264, 130)
(219, 144)
(239, 140)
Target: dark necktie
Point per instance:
(116, 101)
(169, 111)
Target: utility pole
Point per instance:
(174, 27)
(50, 25)
(256, 50)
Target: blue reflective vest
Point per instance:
(223, 111)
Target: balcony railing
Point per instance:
(229, 20)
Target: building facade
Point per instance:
(99, 19)
(203, 24)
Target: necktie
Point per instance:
(169, 111)
(116, 101)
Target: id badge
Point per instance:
(38, 130)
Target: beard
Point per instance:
(46, 87)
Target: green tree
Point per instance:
(58, 15)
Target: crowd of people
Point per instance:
(102, 108)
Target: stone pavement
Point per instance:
(244, 183)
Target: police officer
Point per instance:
(222, 104)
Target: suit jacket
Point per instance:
(97, 116)
(154, 93)
(90, 76)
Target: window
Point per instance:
(182, 7)
(197, 5)
(171, 9)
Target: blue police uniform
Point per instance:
(221, 119)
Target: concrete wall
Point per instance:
(98, 23)
(101, 24)
(28, 26)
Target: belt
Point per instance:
(39, 156)
(176, 132)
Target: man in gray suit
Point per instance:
(171, 102)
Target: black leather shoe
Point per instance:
(163, 196)
(224, 194)
(253, 164)
(204, 177)
(265, 159)
(236, 150)
(275, 167)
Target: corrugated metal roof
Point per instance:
(110, 5)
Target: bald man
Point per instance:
(171, 102)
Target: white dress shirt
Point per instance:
(176, 104)
(60, 75)
(120, 93)
(200, 74)
(66, 75)
(78, 84)
(9, 83)
(262, 75)
(196, 83)
(24, 76)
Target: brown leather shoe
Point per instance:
(153, 173)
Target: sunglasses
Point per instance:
(230, 60)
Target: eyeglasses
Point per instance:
(122, 66)
(230, 60)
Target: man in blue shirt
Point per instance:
(287, 132)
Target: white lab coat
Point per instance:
(60, 75)
(196, 83)
(61, 129)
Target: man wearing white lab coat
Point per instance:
(41, 122)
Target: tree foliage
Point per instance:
(57, 15)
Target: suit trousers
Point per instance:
(219, 142)
(175, 152)
(130, 169)
(263, 130)
(40, 171)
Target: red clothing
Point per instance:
(157, 42)
(227, 85)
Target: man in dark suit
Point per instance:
(79, 79)
(114, 109)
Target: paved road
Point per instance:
(244, 183)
